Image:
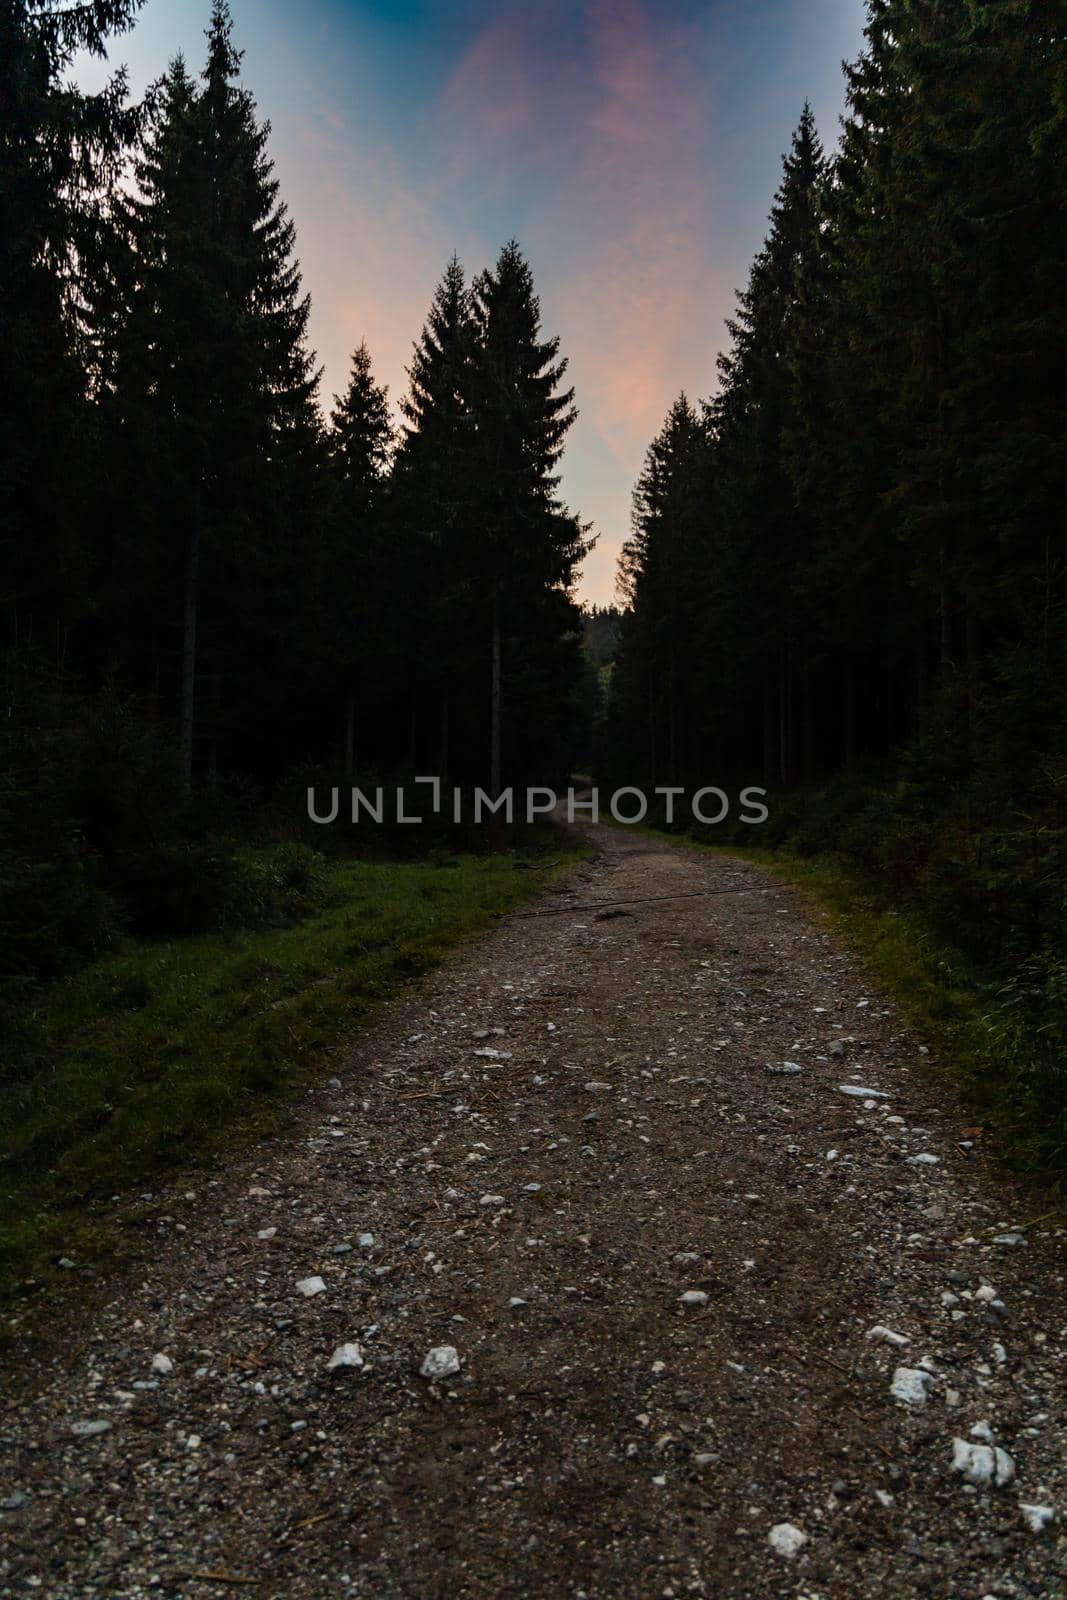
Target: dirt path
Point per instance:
(541, 1197)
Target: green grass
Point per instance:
(158, 1057)
(990, 1048)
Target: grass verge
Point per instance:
(160, 1056)
(971, 1022)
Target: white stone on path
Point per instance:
(162, 1364)
(346, 1358)
(1037, 1518)
(858, 1092)
(786, 1539)
(440, 1362)
(982, 1463)
(910, 1384)
(694, 1297)
(886, 1335)
(89, 1430)
(311, 1286)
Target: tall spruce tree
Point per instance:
(433, 503)
(216, 396)
(752, 416)
(528, 544)
(60, 153)
(662, 572)
(360, 605)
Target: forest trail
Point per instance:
(570, 1127)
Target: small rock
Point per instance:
(89, 1430)
(886, 1335)
(1037, 1518)
(440, 1362)
(786, 1539)
(910, 1384)
(694, 1297)
(924, 1160)
(266, 1233)
(366, 1241)
(491, 1200)
(981, 1463)
(784, 1069)
(16, 1500)
(346, 1358)
(311, 1286)
(162, 1364)
(858, 1092)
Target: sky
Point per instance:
(632, 147)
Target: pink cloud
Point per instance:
(610, 144)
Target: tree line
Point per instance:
(208, 583)
(858, 542)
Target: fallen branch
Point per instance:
(216, 1577)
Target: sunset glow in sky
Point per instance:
(631, 146)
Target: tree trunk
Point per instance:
(442, 760)
(785, 766)
(809, 722)
(970, 634)
(768, 732)
(350, 739)
(188, 703)
(944, 611)
(850, 716)
(494, 701)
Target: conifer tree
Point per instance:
(529, 545)
(360, 603)
(433, 502)
(60, 152)
(216, 396)
(661, 573)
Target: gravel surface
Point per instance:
(592, 1274)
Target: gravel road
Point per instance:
(722, 1328)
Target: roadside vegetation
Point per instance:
(936, 919)
(165, 1052)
